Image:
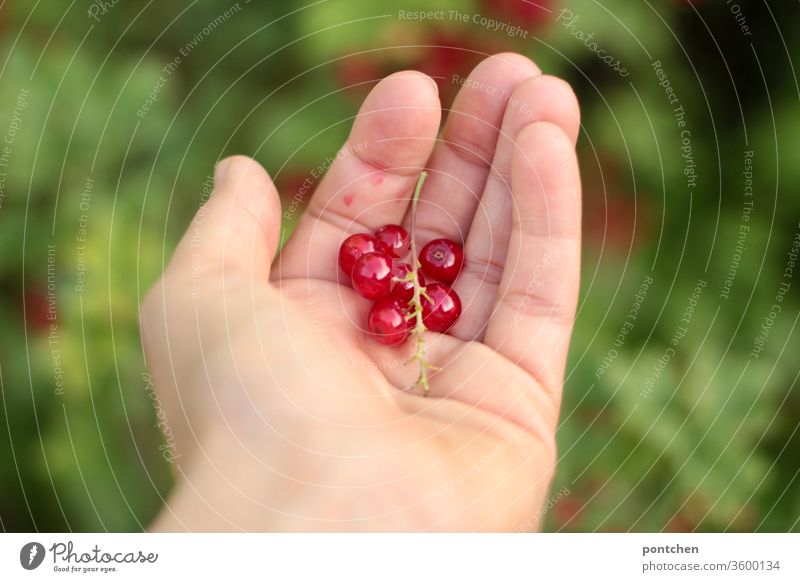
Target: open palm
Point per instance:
(287, 416)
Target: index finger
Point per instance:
(371, 181)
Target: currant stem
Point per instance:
(419, 292)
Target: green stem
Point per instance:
(419, 326)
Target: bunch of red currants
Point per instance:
(374, 263)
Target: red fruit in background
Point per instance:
(354, 247)
(442, 310)
(448, 54)
(395, 238)
(529, 14)
(387, 322)
(358, 73)
(440, 52)
(611, 224)
(680, 523)
(568, 512)
(615, 219)
(372, 275)
(359, 68)
(295, 185)
(403, 291)
(37, 309)
(441, 259)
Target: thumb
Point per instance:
(236, 233)
(229, 244)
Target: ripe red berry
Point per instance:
(441, 259)
(38, 310)
(387, 322)
(528, 15)
(395, 238)
(403, 291)
(444, 311)
(353, 247)
(372, 275)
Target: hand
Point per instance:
(286, 416)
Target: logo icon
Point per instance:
(31, 555)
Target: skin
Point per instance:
(286, 416)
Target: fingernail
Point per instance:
(220, 170)
(435, 84)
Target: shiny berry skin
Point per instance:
(387, 322)
(372, 275)
(403, 291)
(441, 259)
(395, 238)
(445, 309)
(353, 247)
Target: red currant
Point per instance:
(353, 247)
(395, 238)
(441, 259)
(387, 322)
(403, 291)
(372, 275)
(442, 313)
(528, 15)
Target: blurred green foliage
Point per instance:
(713, 446)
